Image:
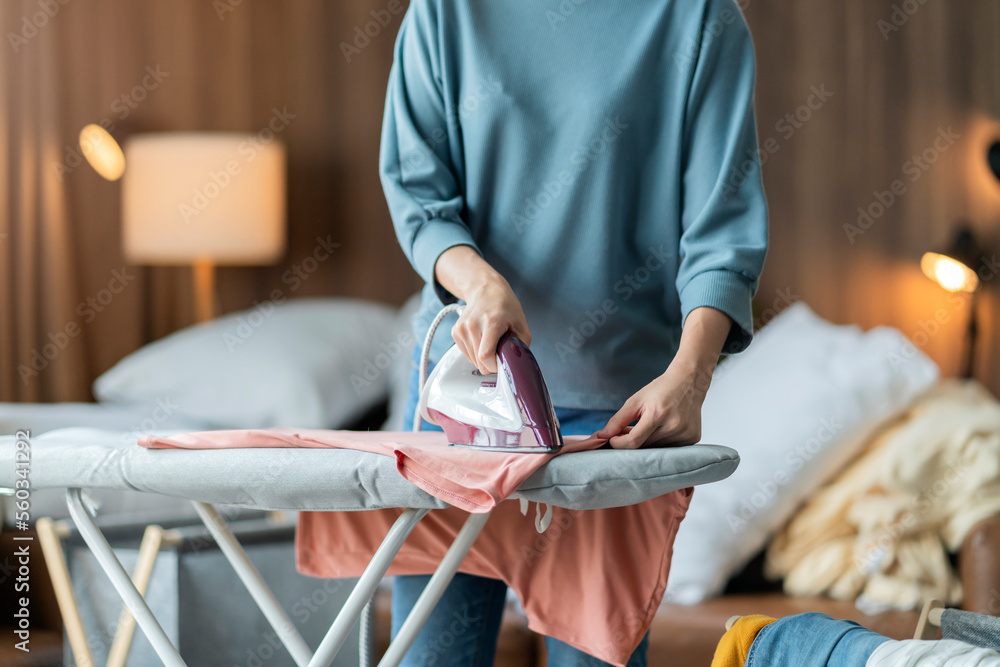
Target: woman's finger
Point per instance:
(638, 435)
(619, 421)
(522, 332)
(474, 343)
(674, 431)
(487, 351)
(460, 335)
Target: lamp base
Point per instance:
(205, 302)
(971, 339)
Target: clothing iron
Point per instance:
(509, 411)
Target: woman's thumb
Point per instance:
(618, 422)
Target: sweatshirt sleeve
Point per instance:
(724, 212)
(415, 164)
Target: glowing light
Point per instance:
(102, 152)
(949, 273)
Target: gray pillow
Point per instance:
(307, 363)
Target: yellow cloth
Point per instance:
(880, 532)
(735, 645)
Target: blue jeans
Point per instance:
(813, 640)
(462, 630)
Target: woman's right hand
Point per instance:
(491, 311)
(491, 308)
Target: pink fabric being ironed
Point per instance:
(593, 579)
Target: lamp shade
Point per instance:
(203, 197)
(954, 267)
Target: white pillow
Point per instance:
(797, 406)
(402, 367)
(308, 363)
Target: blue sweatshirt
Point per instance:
(602, 156)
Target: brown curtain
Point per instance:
(42, 347)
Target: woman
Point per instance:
(585, 175)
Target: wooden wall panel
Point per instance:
(892, 96)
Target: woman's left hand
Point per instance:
(669, 407)
(668, 410)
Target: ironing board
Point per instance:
(325, 480)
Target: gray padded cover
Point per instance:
(340, 479)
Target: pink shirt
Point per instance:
(594, 579)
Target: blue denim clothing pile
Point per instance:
(813, 640)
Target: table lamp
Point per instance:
(954, 269)
(204, 199)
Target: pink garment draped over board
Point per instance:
(593, 579)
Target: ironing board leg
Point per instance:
(366, 586)
(121, 580)
(254, 583)
(435, 589)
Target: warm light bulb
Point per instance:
(949, 273)
(102, 152)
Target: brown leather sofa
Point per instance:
(686, 636)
